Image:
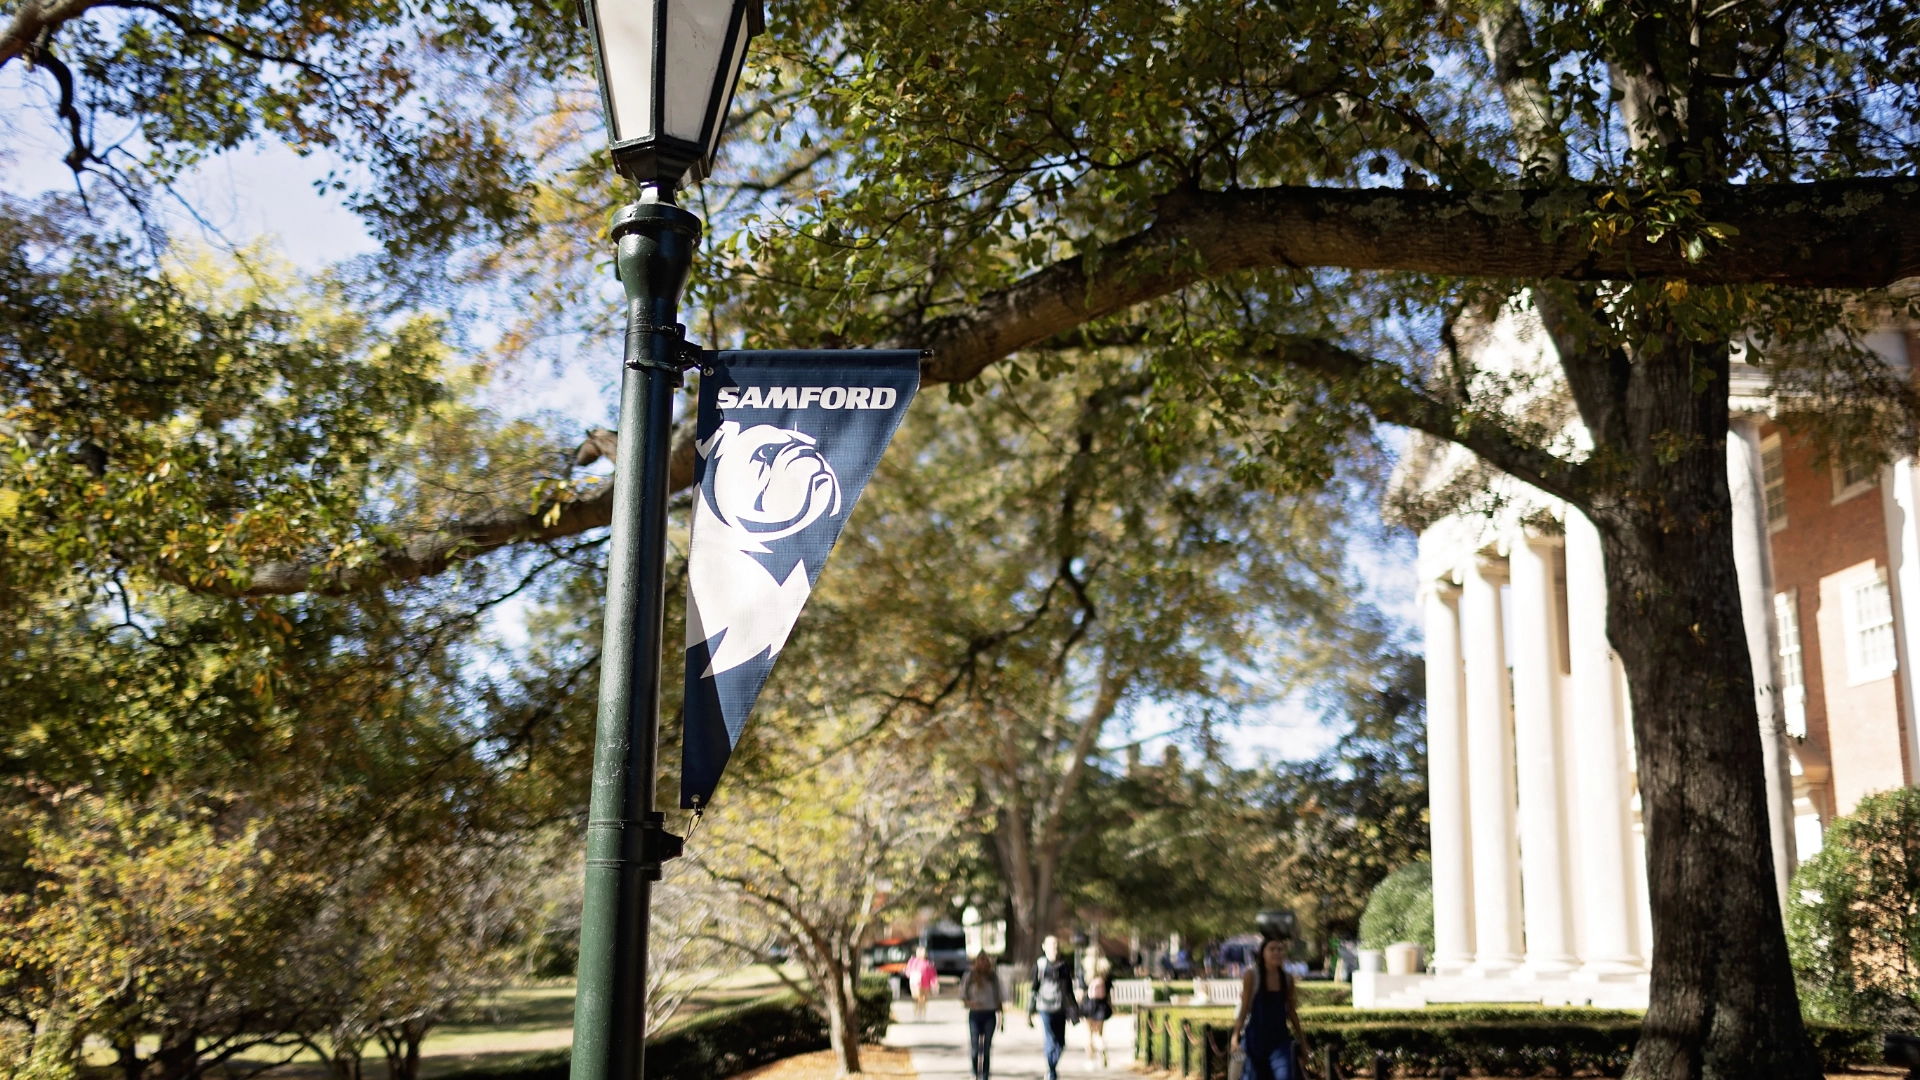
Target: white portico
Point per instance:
(1538, 871)
(1539, 861)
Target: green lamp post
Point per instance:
(667, 71)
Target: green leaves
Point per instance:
(1853, 916)
(234, 821)
(183, 423)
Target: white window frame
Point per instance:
(1793, 663)
(1856, 587)
(1843, 491)
(1773, 481)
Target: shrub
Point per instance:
(718, 1044)
(1319, 994)
(1557, 1042)
(1491, 1040)
(874, 1007)
(1853, 916)
(1400, 908)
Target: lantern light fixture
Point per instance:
(667, 71)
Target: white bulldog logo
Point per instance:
(764, 483)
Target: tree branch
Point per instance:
(1509, 43)
(429, 554)
(36, 20)
(1596, 370)
(456, 541)
(1113, 686)
(1830, 234)
(1386, 392)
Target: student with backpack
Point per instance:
(1052, 1001)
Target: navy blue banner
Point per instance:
(787, 441)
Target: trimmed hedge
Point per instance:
(717, 1044)
(1316, 993)
(1481, 1039)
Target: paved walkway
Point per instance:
(939, 1046)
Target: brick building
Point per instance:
(1846, 608)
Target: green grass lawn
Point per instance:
(514, 1021)
(524, 1019)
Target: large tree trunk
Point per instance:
(1030, 874)
(1029, 837)
(1722, 1001)
(843, 1021)
(401, 1043)
(344, 1058)
(1723, 1004)
(127, 1059)
(178, 1057)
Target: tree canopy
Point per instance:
(1296, 214)
(237, 824)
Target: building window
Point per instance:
(1793, 668)
(1773, 472)
(1854, 478)
(1869, 618)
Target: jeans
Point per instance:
(1276, 1064)
(1053, 1026)
(980, 1023)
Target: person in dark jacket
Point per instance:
(1268, 1024)
(1052, 1000)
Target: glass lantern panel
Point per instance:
(734, 63)
(696, 47)
(626, 51)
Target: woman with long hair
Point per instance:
(1096, 1007)
(980, 993)
(1268, 1024)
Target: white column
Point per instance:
(1490, 798)
(1903, 555)
(1606, 853)
(1536, 741)
(1447, 784)
(1753, 565)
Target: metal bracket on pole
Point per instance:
(687, 355)
(657, 845)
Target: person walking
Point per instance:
(1097, 1007)
(1268, 1024)
(980, 993)
(1052, 1000)
(922, 977)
